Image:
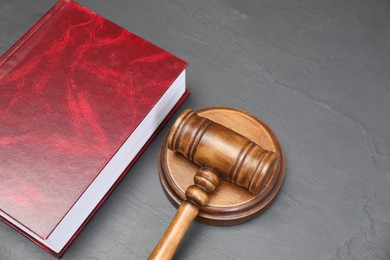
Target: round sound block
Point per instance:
(229, 204)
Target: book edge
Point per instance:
(33, 30)
(138, 155)
(108, 193)
(185, 63)
(59, 5)
(54, 10)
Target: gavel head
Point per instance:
(234, 157)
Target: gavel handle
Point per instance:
(169, 242)
(206, 180)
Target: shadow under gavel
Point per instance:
(220, 153)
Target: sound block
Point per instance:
(229, 204)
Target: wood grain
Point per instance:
(206, 180)
(219, 152)
(229, 204)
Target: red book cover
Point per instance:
(80, 98)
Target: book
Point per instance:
(80, 99)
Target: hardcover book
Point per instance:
(80, 98)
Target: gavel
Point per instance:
(220, 153)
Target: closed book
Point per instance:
(80, 98)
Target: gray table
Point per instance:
(317, 72)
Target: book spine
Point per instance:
(34, 29)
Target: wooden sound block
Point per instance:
(229, 204)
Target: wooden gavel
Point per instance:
(220, 152)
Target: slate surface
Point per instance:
(317, 72)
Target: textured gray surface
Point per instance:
(317, 72)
